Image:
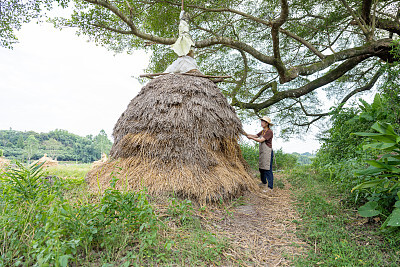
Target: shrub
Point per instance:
(382, 177)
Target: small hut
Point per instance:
(179, 134)
(47, 161)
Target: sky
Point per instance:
(55, 79)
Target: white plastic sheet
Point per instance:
(182, 65)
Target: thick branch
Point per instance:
(110, 29)
(280, 67)
(388, 25)
(361, 23)
(129, 22)
(378, 48)
(366, 10)
(366, 87)
(295, 93)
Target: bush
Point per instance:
(43, 227)
(382, 177)
(250, 154)
(284, 161)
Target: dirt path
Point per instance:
(260, 228)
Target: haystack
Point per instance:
(4, 162)
(179, 134)
(47, 161)
(103, 159)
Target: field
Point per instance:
(58, 222)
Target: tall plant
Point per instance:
(382, 176)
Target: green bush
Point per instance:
(382, 177)
(284, 161)
(250, 154)
(59, 223)
(43, 227)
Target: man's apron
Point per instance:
(264, 161)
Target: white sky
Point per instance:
(54, 79)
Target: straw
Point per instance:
(179, 134)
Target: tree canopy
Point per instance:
(58, 144)
(280, 53)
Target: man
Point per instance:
(264, 138)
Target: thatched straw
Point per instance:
(103, 159)
(179, 134)
(47, 161)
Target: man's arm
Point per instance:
(256, 138)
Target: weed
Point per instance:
(329, 228)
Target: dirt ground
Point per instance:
(260, 227)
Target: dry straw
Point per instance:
(47, 161)
(179, 134)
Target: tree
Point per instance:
(14, 13)
(280, 53)
(102, 143)
(20, 143)
(52, 147)
(31, 147)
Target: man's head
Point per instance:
(266, 121)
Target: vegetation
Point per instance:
(282, 161)
(382, 176)
(54, 222)
(58, 144)
(336, 235)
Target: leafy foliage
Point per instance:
(382, 176)
(338, 143)
(60, 223)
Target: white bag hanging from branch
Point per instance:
(184, 43)
(183, 47)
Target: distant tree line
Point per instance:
(58, 144)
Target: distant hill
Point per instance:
(58, 144)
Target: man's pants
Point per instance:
(266, 175)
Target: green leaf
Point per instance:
(369, 209)
(382, 146)
(369, 171)
(63, 260)
(394, 217)
(397, 204)
(368, 184)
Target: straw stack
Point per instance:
(47, 161)
(103, 159)
(179, 134)
(4, 162)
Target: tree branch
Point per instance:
(280, 67)
(370, 49)
(366, 87)
(295, 93)
(361, 23)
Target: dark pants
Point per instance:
(266, 175)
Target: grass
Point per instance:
(335, 234)
(61, 224)
(72, 171)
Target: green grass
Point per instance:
(72, 171)
(62, 224)
(333, 231)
